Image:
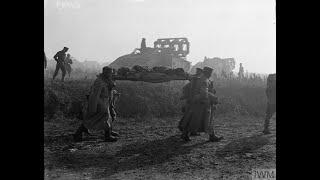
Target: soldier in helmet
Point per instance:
(60, 58)
(197, 117)
(186, 96)
(98, 116)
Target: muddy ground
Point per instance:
(152, 149)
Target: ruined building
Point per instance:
(220, 65)
(167, 52)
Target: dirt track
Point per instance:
(152, 149)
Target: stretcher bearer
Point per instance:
(98, 116)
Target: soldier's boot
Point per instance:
(114, 133)
(86, 130)
(266, 131)
(108, 137)
(77, 136)
(214, 138)
(185, 136)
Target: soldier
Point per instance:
(241, 72)
(213, 108)
(98, 115)
(60, 58)
(68, 63)
(271, 98)
(115, 95)
(197, 117)
(186, 96)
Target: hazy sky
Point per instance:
(103, 30)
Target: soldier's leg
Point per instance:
(186, 135)
(78, 134)
(56, 71)
(113, 118)
(63, 69)
(107, 132)
(212, 135)
(270, 110)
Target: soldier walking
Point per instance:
(98, 116)
(198, 115)
(60, 58)
(186, 90)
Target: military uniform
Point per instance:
(112, 102)
(67, 65)
(60, 58)
(97, 115)
(197, 116)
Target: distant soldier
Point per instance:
(68, 63)
(60, 58)
(241, 72)
(45, 60)
(98, 116)
(271, 98)
(197, 117)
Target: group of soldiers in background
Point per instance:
(63, 63)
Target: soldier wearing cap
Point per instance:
(98, 116)
(197, 118)
(60, 58)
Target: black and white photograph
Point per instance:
(159, 89)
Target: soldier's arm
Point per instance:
(55, 57)
(94, 97)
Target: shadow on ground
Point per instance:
(130, 157)
(243, 145)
